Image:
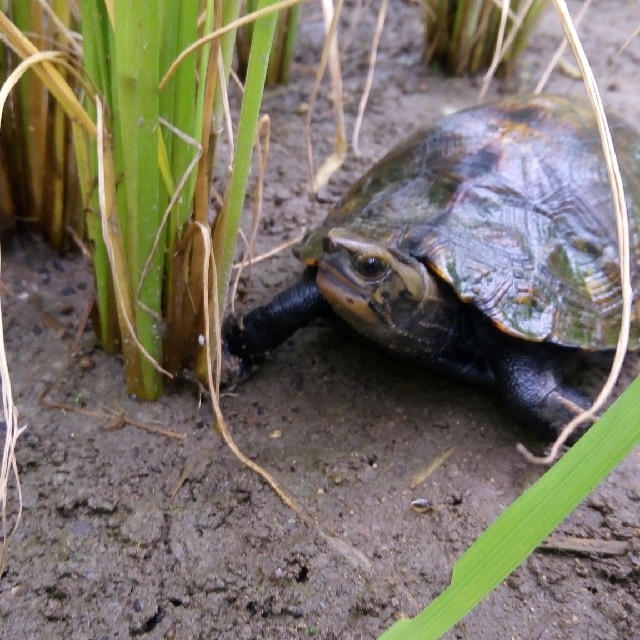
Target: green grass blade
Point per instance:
(96, 30)
(532, 517)
(293, 17)
(176, 103)
(137, 63)
(228, 223)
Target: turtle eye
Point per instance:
(370, 266)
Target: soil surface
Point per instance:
(106, 550)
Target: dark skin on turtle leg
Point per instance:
(265, 328)
(528, 377)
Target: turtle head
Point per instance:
(382, 293)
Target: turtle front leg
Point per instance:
(529, 379)
(266, 327)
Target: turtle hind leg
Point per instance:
(266, 327)
(529, 377)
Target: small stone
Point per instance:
(86, 363)
(101, 505)
(422, 505)
(294, 612)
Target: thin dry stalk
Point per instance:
(382, 14)
(329, 56)
(231, 26)
(20, 70)
(226, 108)
(561, 49)
(269, 254)
(627, 42)
(264, 131)
(62, 30)
(424, 474)
(211, 313)
(9, 468)
(622, 222)
(354, 556)
(502, 49)
(498, 51)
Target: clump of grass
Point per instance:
(112, 146)
(38, 176)
(110, 138)
(462, 36)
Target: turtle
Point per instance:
(484, 247)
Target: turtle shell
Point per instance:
(510, 204)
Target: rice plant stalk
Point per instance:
(31, 119)
(137, 45)
(180, 154)
(60, 184)
(461, 36)
(227, 223)
(97, 30)
(151, 143)
(189, 323)
(283, 44)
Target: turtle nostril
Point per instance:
(328, 245)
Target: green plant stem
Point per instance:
(177, 107)
(228, 222)
(293, 17)
(137, 56)
(97, 30)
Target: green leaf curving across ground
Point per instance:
(529, 520)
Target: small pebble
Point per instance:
(86, 363)
(294, 612)
(422, 505)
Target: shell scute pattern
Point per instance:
(510, 205)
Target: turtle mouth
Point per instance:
(343, 294)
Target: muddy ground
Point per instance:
(105, 551)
